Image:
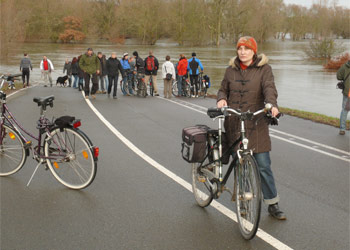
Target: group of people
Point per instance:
(104, 73)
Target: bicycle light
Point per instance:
(77, 124)
(96, 151)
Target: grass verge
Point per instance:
(315, 117)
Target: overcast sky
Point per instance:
(308, 3)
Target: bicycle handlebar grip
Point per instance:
(214, 112)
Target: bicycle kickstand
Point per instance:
(36, 168)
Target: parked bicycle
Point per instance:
(125, 85)
(203, 147)
(61, 146)
(203, 85)
(186, 87)
(151, 87)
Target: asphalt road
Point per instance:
(132, 205)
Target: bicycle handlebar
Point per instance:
(226, 111)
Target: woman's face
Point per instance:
(245, 55)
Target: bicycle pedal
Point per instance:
(201, 179)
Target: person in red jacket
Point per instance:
(182, 72)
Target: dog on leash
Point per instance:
(62, 80)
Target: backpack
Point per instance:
(150, 65)
(194, 66)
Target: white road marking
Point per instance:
(218, 206)
(290, 140)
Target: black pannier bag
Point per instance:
(194, 143)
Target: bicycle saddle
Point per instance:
(44, 101)
(214, 112)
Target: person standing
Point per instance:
(247, 85)
(75, 72)
(46, 68)
(90, 65)
(151, 68)
(192, 67)
(182, 72)
(102, 77)
(24, 67)
(133, 70)
(81, 76)
(114, 67)
(343, 75)
(168, 74)
(68, 68)
(140, 73)
(128, 74)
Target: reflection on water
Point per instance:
(301, 84)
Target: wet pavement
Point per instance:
(132, 205)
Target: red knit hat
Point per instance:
(249, 42)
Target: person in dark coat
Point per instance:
(75, 72)
(247, 85)
(68, 68)
(81, 76)
(103, 77)
(113, 68)
(151, 69)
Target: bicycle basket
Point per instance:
(194, 143)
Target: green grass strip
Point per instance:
(315, 117)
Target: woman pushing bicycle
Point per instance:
(247, 85)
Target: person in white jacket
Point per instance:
(168, 75)
(46, 67)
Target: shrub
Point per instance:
(337, 62)
(324, 49)
(72, 30)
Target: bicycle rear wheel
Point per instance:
(70, 158)
(12, 152)
(200, 186)
(187, 89)
(248, 196)
(175, 90)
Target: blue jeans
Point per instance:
(343, 114)
(267, 181)
(129, 77)
(103, 82)
(179, 85)
(76, 80)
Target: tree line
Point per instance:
(187, 22)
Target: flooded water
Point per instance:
(301, 83)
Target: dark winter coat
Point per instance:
(113, 65)
(247, 90)
(67, 67)
(75, 68)
(139, 65)
(103, 66)
(156, 67)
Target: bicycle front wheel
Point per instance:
(12, 152)
(248, 196)
(202, 191)
(70, 158)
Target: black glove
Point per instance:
(272, 120)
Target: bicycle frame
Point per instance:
(7, 117)
(242, 141)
